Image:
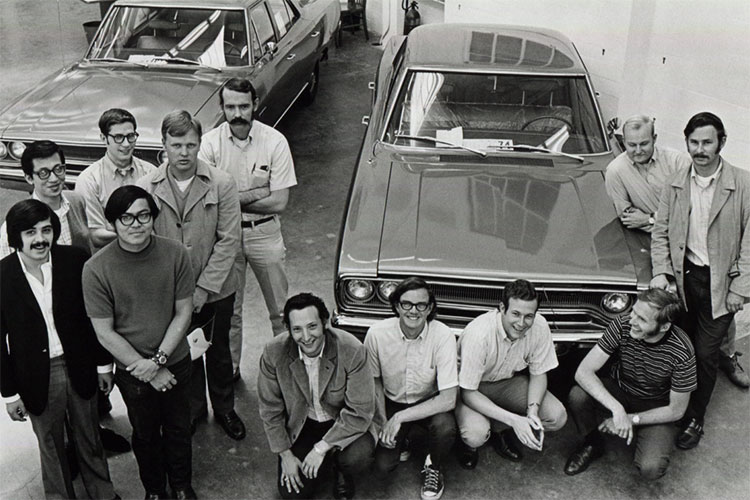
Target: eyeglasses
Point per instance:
(127, 219)
(421, 306)
(119, 138)
(44, 173)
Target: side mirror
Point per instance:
(614, 138)
(270, 48)
(612, 126)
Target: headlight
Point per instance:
(16, 149)
(359, 290)
(616, 302)
(3, 150)
(385, 289)
(162, 156)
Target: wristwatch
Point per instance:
(651, 218)
(636, 419)
(160, 357)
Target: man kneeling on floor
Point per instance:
(647, 387)
(413, 360)
(494, 351)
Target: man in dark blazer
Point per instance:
(50, 357)
(317, 400)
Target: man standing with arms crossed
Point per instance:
(259, 160)
(634, 182)
(198, 207)
(701, 242)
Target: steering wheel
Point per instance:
(547, 117)
(232, 47)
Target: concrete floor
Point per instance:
(325, 140)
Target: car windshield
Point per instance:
(496, 112)
(167, 35)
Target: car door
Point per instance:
(265, 52)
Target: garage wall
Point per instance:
(667, 58)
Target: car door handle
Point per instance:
(314, 34)
(290, 57)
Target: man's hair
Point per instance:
(39, 149)
(407, 285)
(667, 304)
(241, 85)
(705, 119)
(637, 122)
(123, 197)
(520, 290)
(115, 116)
(179, 124)
(26, 214)
(303, 301)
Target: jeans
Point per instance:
(351, 460)
(441, 431)
(653, 443)
(218, 366)
(706, 333)
(511, 395)
(161, 439)
(263, 249)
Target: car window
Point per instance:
(283, 15)
(160, 35)
(262, 22)
(494, 111)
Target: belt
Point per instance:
(254, 223)
(695, 266)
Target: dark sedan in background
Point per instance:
(483, 162)
(151, 57)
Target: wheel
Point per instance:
(550, 117)
(308, 96)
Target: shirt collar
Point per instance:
(304, 357)
(706, 180)
(234, 139)
(46, 267)
(111, 167)
(651, 161)
(64, 204)
(421, 335)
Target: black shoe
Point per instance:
(732, 367)
(343, 485)
(111, 441)
(505, 445)
(467, 457)
(184, 494)
(232, 425)
(580, 460)
(432, 483)
(690, 435)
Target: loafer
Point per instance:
(343, 485)
(111, 441)
(690, 435)
(467, 457)
(232, 425)
(734, 371)
(184, 494)
(580, 460)
(505, 445)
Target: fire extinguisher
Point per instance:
(412, 19)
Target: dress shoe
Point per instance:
(732, 367)
(184, 494)
(690, 435)
(505, 445)
(111, 441)
(343, 485)
(580, 460)
(467, 457)
(232, 425)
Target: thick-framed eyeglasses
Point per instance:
(119, 138)
(127, 219)
(421, 306)
(44, 173)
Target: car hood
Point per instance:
(67, 107)
(546, 224)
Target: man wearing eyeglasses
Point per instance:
(495, 351)
(43, 164)
(118, 167)
(200, 207)
(413, 360)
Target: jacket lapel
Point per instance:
(682, 185)
(197, 192)
(26, 296)
(724, 187)
(327, 363)
(299, 374)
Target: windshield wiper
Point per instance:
(438, 141)
(184, 60)
(542, 149)
(115, 60)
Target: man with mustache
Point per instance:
(700, 242)
(51, 363)
(634, 181)
(259, 160)
(118, 167)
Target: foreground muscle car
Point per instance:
(151, 57)
(483, 162)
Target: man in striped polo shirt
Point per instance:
(647, 388)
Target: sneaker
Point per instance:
(732, 367)
(405, 452)
(432, 482)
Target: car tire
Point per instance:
(308, 96)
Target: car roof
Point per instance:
(216, 4)
(492, 47)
